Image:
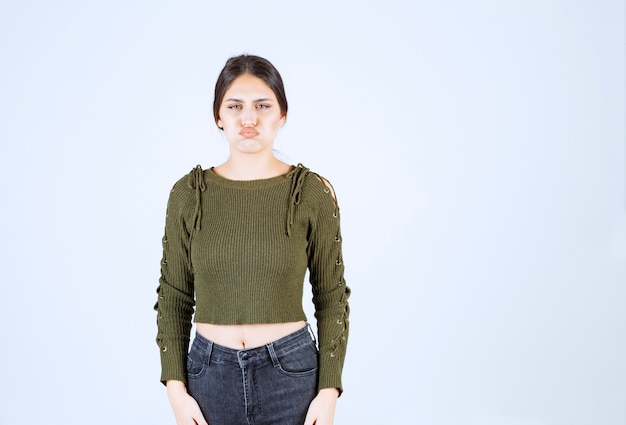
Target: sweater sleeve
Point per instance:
(175, 303)
(330, 293)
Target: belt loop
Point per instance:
(209, 350)
(273, 356)
(308, 326)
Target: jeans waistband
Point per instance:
(261, 354)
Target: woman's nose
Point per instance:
(248, 118)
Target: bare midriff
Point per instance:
(247, 336)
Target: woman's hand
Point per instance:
(322, 408)
(185, 407)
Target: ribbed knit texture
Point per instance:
(239, 250)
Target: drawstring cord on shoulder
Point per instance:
(297, 174)
(196, 181)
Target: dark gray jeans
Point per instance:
(272, 384)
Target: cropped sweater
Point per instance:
(238, 251)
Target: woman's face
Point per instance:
(250, 115)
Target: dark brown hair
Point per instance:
(252, 65)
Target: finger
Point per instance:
(310, 419)
(199, 420)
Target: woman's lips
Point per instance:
(249, 132)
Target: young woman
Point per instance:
(239, 238)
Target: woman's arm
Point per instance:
(330, 293)
(175, 301)
(330, 297)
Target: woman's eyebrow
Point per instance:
(264, 99)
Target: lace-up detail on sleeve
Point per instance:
(330, 293)
(175, 303)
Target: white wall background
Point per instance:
(477, 148)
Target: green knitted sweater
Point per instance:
(239, 250)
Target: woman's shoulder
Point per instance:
(191, 180)
(316, 181)
(328, 188)
(317, 191)
(185, 187)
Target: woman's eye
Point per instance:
(234, 107)
(262, 106)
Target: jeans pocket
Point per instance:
(197, 362)
(301, 361)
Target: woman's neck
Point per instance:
(250, 167)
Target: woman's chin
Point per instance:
(251, 146)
